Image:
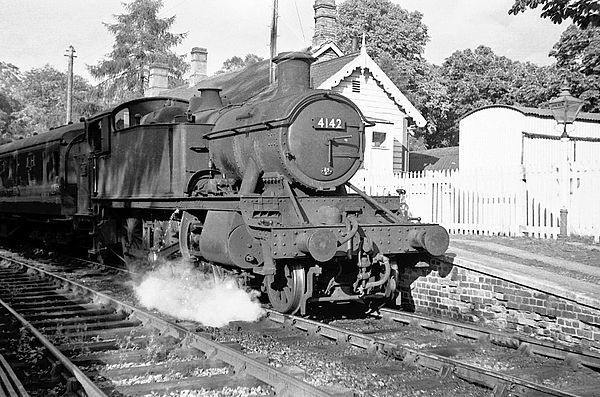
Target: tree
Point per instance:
(391, 31)
(40, 99)
(470, 79)
(236, 63)
(141, 38)
(395, 38)
(583, 13)
(577, 56)
(9, 79)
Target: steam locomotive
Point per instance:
(258, 189)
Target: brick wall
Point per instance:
(325, 22)
(468, 295)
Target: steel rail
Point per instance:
(501, 384)
(9, 381)
(86, 383)
(505, 339)
(283, 383)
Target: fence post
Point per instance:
(521, 203)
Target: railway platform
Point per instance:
(563, 268)
(539, 288)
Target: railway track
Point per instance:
(442, 357)
(501, 362)
(105, 346)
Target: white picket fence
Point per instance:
(508, 202)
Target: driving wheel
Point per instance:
(286, 287)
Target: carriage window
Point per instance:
(52, 164)
(3, 172)
(30, 160)
(34, 168)
(378, 139)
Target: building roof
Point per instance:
(328, 47)
(364, 61)
(241, 85)
(236, 87)
(321, 71)
(434, 159)
(537, 112)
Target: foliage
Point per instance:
(577, 56)
(236, 63)
(390, 30)
(583, 13)
(395, 38)
(9, 79)
(470, 79)
(141, 38)
(34, 101)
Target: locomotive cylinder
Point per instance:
(320, 244)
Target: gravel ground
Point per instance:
(343, 366)
(339, 366)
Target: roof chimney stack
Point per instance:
(355, 44)
(158, 80)
(325, 22)
(199, 59)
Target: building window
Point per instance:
(378, 139)
(355, 86)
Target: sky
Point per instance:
(34, 33)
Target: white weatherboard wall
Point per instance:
(512, 164)
(490, 139)
(504, 136)
(377, 106)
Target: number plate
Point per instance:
(329, 123)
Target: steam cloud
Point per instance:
(180, 290)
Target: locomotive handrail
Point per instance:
(373, 202)
(297, 209)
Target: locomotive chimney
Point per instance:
(210, 98)
(199, 60)
(293, 72)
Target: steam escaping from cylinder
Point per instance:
(178, 289)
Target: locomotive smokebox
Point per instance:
(310, 138)
(293, 72)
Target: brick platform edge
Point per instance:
(475, 293)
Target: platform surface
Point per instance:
(569, 269)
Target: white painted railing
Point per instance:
(508, 202)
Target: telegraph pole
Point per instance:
(273, 41)
(71, 54)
